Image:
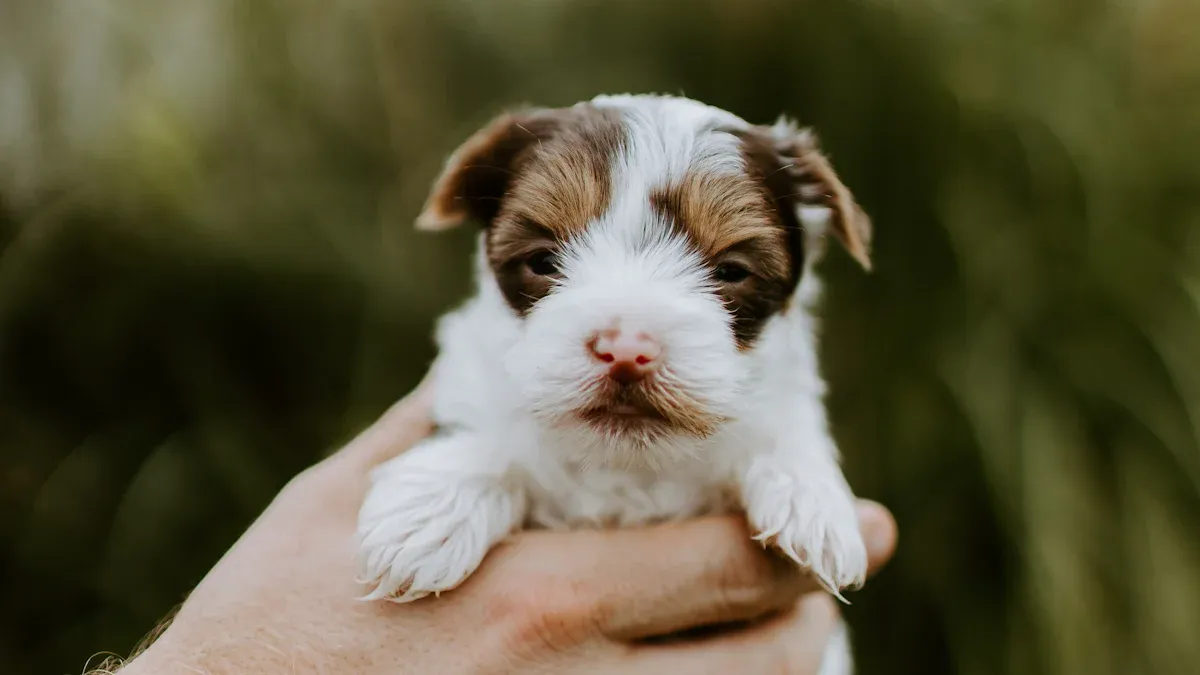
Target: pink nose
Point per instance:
(631, 356)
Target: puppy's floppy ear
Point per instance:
(825, 203)
(478, 174)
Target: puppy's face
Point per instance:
(644, 243)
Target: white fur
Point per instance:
(838, 659)
(510, 454)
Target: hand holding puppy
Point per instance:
(282, 599)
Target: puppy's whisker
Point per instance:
(785, 167)
(489, 167)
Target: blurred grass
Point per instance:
(208, 279)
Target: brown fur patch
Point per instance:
(561, 184)
(721, 212)
(478, 173)
(733, 220)
(565, 180)
(770, 171)
(807, 176)
(753, 221)
(532, 179)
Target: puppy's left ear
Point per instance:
(476, 177)
(825, 204)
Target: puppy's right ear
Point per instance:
(478, 174)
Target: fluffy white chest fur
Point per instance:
(641, 345)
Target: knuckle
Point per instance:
(744, 581)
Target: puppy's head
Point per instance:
(644, 243)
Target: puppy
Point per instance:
(641, 346)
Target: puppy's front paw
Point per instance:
(423, 531)
(812, 521)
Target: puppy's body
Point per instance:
(641, 346)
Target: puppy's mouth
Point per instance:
(618, 415)
(646, 408)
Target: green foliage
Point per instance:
(208, 279)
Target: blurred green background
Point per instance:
(209, 279)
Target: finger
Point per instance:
(794, 641)
(880, 534)
(653, 581)
(400, 427)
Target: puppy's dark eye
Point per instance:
(543, 264)
(731, 273)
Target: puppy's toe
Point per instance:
(420, 534)
(402, 564)
(817, 528)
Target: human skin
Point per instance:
(283, 598)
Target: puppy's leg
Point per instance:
(432, 514)
(797, 500)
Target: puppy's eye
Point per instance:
(731, 273)
(543, 264)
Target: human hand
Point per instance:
(282, 600)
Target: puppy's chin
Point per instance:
(620, 444)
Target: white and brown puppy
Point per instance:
(641, 346)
